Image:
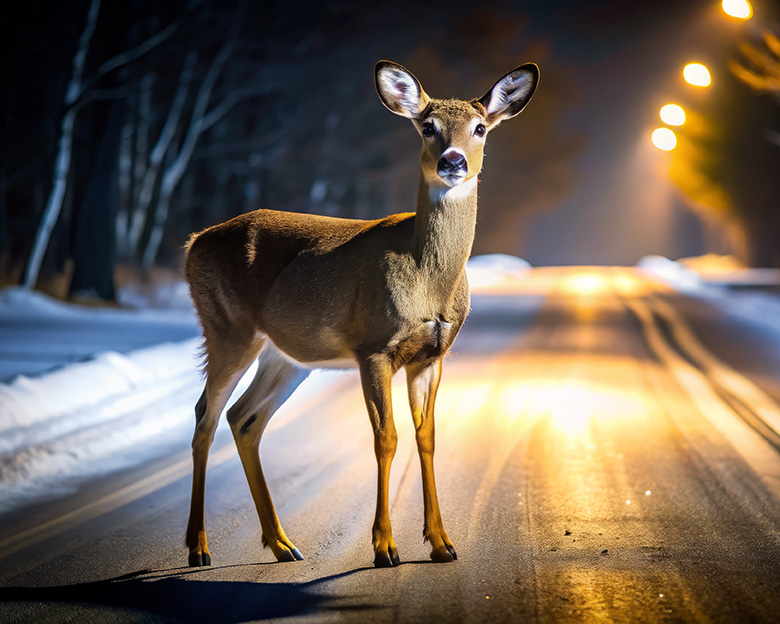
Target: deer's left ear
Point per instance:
(510, 94)
(399, 90)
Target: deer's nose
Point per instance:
(453, 162)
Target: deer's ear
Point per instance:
(510, 94)
(399, 90)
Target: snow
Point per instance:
(84, 419)
(501, 263)
(25, 402)
(703, 272)
(19, 300)
(491, 271)
(173, 296)
(673, 273)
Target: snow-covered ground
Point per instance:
(490, 271)
(105, 412)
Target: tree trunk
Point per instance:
(64, 151)
(94, 252)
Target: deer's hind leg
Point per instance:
(274, 382)
(227, 360)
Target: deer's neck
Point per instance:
(444, 231)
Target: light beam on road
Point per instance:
(586, 283)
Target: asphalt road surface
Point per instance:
(607, 450)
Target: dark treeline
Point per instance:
(728, 157)
(129, 125)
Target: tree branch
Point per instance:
(75, 86)
(97, 95)
(176, 170)
(128, 56)
(137, 52)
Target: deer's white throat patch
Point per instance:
(440, 193)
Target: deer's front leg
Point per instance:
(375, 375)
(423, 382)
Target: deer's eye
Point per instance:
(427, 129)
(480, 130)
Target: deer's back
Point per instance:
(234, 266)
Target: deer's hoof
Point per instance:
(287, 553)
(198, 560)
(444, 555)
(386, 559)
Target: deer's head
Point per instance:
(453, 131)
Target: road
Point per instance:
(30, 347)
(607, 450)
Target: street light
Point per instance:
(672, 114)
(740, 9)
(664, 139)
(697, 75)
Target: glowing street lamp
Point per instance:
(697, 75)
(664, 139)
(672, 114)
(740, 9)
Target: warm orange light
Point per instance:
(697, 75)
(664, 139)
(586, 283)
(740, 9)
(673, 115)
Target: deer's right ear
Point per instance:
(510, 94)
(399, 90)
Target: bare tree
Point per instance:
(151, 171)
(77, 94)
(201, 120)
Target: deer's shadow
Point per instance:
(165, 595)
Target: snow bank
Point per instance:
(62, 428)
(176, 304)
(17, 300)
(498, 263)
(492, 271)
(173, 296)
(53, 426)
(701, 272)
(89, 418)
(25, 402)
(673, 273)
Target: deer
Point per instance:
(297, 292)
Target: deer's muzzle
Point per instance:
(453, 167)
